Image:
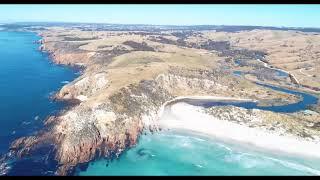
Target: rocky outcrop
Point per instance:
(293, 79)
(111, 125)
(105, 130)
(65, 53)
(103, 123)
(84, 87)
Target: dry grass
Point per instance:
(285, 50)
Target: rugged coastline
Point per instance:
(122, 90)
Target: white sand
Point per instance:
(183, 116)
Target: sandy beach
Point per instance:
(183, 116)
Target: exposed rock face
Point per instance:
(84, 87)
(113, 109)
(294, 79)
(174, 82)
(111, 125)
(66, 53)
(84, 133)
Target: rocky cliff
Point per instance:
(109, 126)
(120, 95)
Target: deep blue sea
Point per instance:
(28, 78)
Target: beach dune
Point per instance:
(183, 116)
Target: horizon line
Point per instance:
(74, 22)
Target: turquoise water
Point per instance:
(168, 153)
(27, 79)
(175, 153)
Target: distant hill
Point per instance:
(146, 27)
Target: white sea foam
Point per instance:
(298, 167)
(4, 168)
(64, 82)
(26, 122)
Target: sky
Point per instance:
(184, 14)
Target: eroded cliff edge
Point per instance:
(124, 84)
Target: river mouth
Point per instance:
(182, 164)
(307, 100)
(182, 149)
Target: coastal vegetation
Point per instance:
(130, 76)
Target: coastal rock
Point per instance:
(113, 123)
(115, 99)
(106, 129)
(84, 87)
(293, 79)
(85, 133)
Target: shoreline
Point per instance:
(49, 115)
(78, 142)
(185, 117)
(236, 144)
(77, 69)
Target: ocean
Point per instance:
(28, 78)
(183, 154)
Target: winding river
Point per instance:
(31, 78)
(307, 99)
(177, 152)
